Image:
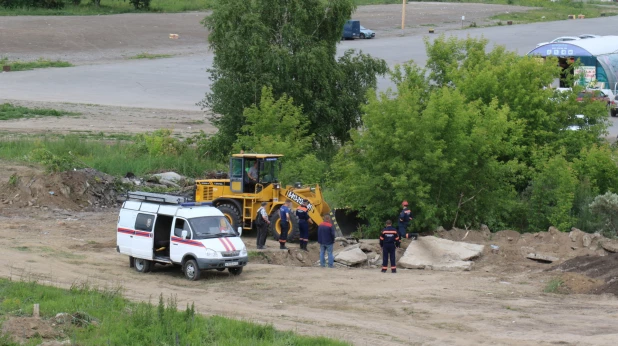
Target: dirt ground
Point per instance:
(110, 120)
(97, 39)
(501, 301)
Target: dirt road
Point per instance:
(362, 306)
(96, 39)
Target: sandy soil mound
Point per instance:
(84, 189)
(507, 250)
(604, 270)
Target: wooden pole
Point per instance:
(403, 15)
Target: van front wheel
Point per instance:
(191, 270)
(142, 265)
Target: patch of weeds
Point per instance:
(151, 56)
(53, 162)
(22, 248)
(555, 285)
(257, 255)
(10, 112)
(473, 25)
(13, 180)
(31, 65)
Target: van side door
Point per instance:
(143, 239)
(179, 247)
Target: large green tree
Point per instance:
(478, 137)
(289, 46)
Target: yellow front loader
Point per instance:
(253, 179)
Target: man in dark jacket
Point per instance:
(404, 220)
(326, 238)
(389, 241)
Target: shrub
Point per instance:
(140, 4)
(606, 207)
(53, 162)
(159, 143)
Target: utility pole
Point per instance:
(403, 15)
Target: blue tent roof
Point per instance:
(586, 47)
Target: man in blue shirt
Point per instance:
(284, 224)
(326, 238)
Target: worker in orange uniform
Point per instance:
(389, 241)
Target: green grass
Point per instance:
(104, 317)
(112, 7)
(555, 285)
(115, 157)
(11, 112)
(17, 65)
(151, 56)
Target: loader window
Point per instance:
(236, 168)
(270, 171)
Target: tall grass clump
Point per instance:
(104, 317)
(147, 153)
(17, 65)
(11, 112)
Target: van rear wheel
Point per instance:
(191, 270)
(142, 265)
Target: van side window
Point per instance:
(182, 225)
(144, 222)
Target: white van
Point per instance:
(159, 228)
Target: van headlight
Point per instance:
(211, 253)
(243, 252)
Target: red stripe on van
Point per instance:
(227, 248)
(126, 230)
(229, 242)
(187, 241)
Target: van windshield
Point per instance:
(211, 227)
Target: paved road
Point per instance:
(178, 83)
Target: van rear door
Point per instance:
(143, 239)
(125, 230)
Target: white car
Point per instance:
(560, 39)
(585, 36)
(582, 123)
(366, 33)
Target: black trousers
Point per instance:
(262, 232)
(388, 251)
(285, 228)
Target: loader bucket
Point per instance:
(348, 220)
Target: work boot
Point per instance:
(394, 271)
(383, 270)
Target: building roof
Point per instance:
(586, 47)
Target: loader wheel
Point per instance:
(231, 214)
(275, 226)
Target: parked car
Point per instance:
(366, 33)
(579, 122)
(594, 94)
(351, 30)
(560, 39)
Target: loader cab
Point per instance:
(251, 173)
